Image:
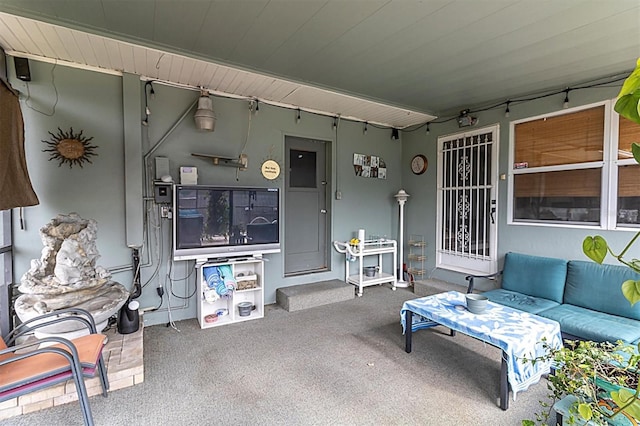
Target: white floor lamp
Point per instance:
(401, 196)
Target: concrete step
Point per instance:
(304, 296)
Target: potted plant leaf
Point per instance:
(601, 378)
(596, 247)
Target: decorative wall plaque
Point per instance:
(70, 148)
(270, 169)
(369, 166)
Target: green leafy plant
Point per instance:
(596, 247)
(594, 373)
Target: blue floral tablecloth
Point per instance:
(519, 334)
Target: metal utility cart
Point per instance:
(355, 254)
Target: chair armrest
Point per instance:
(62, 315)
(41, 368)
(470, 278)
(70, 349)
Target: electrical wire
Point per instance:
(53, 83)
(246, 139)
(158, 229)
(174, 280)
(529, 98)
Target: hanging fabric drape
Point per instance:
(15, 185)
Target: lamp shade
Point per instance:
(401, 196)
(204, 117)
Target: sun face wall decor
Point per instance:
(70, 148)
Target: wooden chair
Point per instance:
(45, 362)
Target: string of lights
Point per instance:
(602, 82)
(598, 83)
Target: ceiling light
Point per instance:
(204, 117)
(394, 134)
(465, 120)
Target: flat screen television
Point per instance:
(221, 222)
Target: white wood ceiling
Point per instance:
(398, 62)
(35, 39)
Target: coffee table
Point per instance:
(519, 334)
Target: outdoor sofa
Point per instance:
(583, 296)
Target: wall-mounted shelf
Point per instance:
(239, 163)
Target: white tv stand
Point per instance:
(355, 254)
(248, 272)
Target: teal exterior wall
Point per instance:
(531, 239)
(95, 103)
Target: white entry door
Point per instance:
(467, 228)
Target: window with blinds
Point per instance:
(575, 167)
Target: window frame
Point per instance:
(609, 166)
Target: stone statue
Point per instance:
(66, 275)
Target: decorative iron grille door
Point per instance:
(467, 204)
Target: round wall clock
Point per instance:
(419, 164)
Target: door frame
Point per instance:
(329, 147)
(470, 264)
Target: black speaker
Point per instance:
(22, 68)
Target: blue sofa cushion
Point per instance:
(597, 287)
(593, 325)
(535, 276)
(519, 301)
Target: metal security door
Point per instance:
(467, 204)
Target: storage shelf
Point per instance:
(378, 278)
(248, 267)
(416, 257)
(248, 290)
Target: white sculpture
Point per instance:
(67, 276)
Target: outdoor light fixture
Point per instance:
(507, 111)
(394, 134)
(465, 120)
(565, 105)
(364, 131)
(204, 117)
(401, 197)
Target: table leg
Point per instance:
(408, 330)
(504, 384)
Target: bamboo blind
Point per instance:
(565, 139)
(566, 183)
(628, 132)
(629, 181)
